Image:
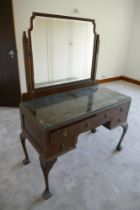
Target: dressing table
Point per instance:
(63, 98)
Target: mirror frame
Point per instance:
(29, 69)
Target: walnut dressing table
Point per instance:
(60, 105)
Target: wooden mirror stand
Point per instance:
(28, 58)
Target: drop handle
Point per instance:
(65, 133)
(11, 54)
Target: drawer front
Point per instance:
(119, 114)
(93, 122)
(61, 141)
(56, 149)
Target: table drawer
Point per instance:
(94, 121)
(61, 140)
(119, 114)
(55, 149)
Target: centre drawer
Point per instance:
(94, 121)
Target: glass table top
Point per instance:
(58, 108)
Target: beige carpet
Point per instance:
(92, 177)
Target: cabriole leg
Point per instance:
(125, 127)
(26, 160)
(46, 167)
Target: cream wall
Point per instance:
(113, 20)
(133, 56)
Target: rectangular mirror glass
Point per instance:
(62, 50)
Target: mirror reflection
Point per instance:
(62, 50)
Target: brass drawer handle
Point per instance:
(65, 133)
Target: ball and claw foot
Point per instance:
(26, 161)
(119, 148)
(46, 194)
(93, 130)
